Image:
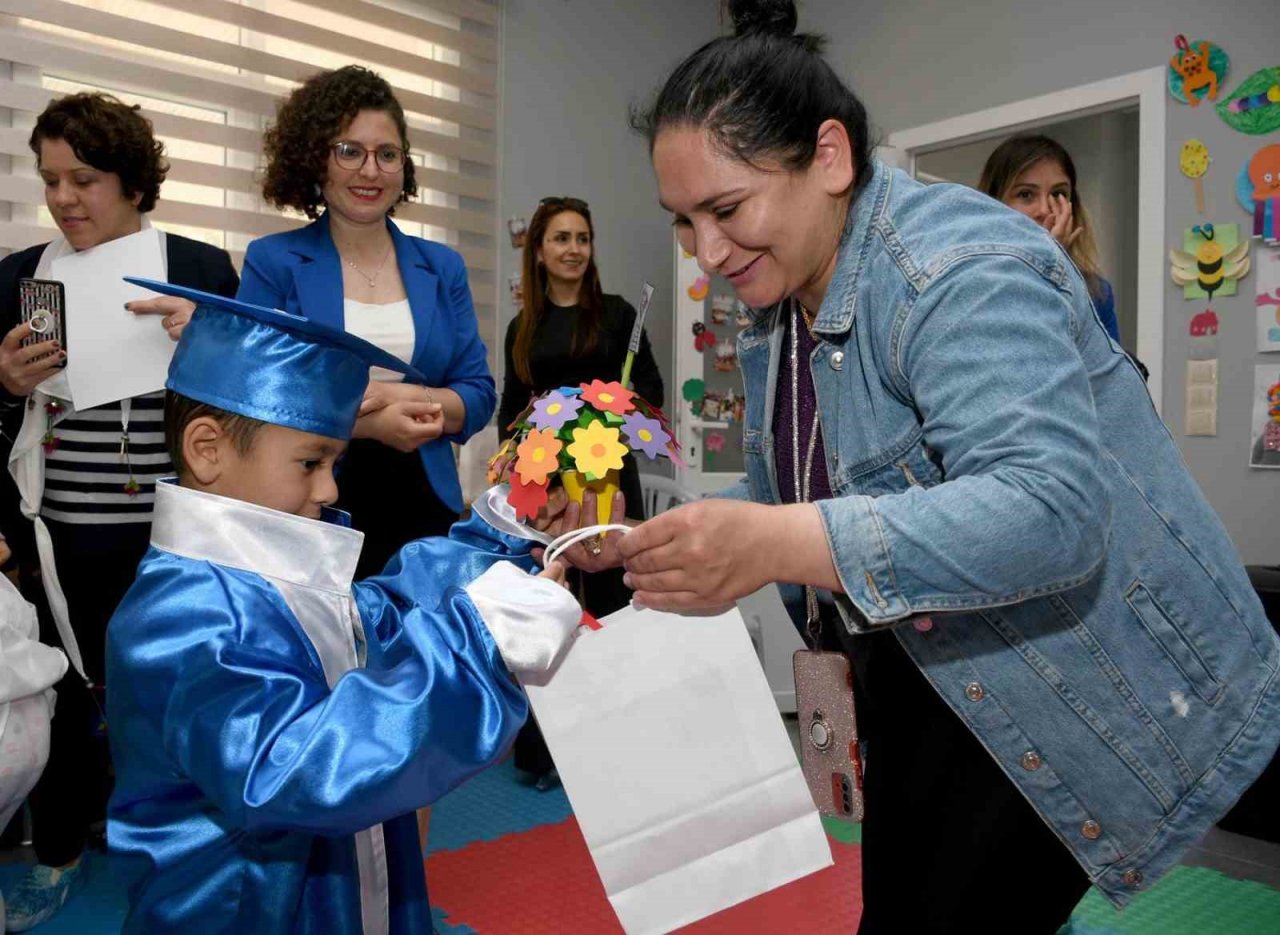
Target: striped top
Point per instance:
(86, 474)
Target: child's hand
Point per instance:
(555, 572)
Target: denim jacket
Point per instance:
(1002, 480)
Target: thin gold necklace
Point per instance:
(371, 280)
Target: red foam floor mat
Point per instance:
(542, 882)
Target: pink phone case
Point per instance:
(829, 754)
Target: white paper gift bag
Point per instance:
(678, 767)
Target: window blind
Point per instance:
(209, 74)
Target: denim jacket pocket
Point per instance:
(906, 464)
(756, 461)
(1170, 636)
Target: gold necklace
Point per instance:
(371, 280)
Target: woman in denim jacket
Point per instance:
(1063, 675)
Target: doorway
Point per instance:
(1116, 127)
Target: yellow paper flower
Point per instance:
(596, 449)
(537, 456)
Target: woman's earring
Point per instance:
(317, 191)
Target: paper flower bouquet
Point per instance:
(579, 436)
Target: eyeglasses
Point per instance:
(349, 155)
(573, 204)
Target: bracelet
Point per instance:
(430, 396)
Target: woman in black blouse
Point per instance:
(570, 331)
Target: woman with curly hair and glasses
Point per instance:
(79, 520)
(339, 151)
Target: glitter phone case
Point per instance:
(40, 304)
(829, 754)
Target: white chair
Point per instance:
(662, 493)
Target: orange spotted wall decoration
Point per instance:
(1197, 70)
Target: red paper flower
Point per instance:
(608, 397)
(527, 499)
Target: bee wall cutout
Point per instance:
(1213, 260)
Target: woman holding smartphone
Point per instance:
(79, 516)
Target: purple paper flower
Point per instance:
(645, 434)
(554, 410)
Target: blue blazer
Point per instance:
(300, 272)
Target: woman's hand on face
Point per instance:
(22, 369)
(1060, 223)
(174, 312)
(701, 556)
(403, 425)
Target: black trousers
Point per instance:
(390, 501)
(96, 566)
(949, 844)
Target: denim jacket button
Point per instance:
(1031, 761)
(973, 691)
(837, 360)
(1132, 878)
(1091, 830)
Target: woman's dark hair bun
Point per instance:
(770, 17)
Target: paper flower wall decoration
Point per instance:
(578, 437)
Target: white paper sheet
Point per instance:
(678, 767)
(111, 352)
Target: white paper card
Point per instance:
(678, 767)
(111, 352)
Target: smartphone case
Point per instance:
(42, 302)
(829, 754)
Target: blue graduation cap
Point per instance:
(272, 366)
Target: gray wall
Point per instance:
(571, 69)
(918, 61)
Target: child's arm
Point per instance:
(254, 725)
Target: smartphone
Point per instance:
(42, 304)
(829, 754)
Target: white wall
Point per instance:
(571, 70)
(918, 61)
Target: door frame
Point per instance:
(1146, 89)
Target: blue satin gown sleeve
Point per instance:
(253, 723)
(468, 371)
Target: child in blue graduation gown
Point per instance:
(274, 725)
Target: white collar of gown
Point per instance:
(310, 553)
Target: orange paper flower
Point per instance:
(537, 456)
(527, 499)
(609, 397)
(596, 449)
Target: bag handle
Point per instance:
(562, 542)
